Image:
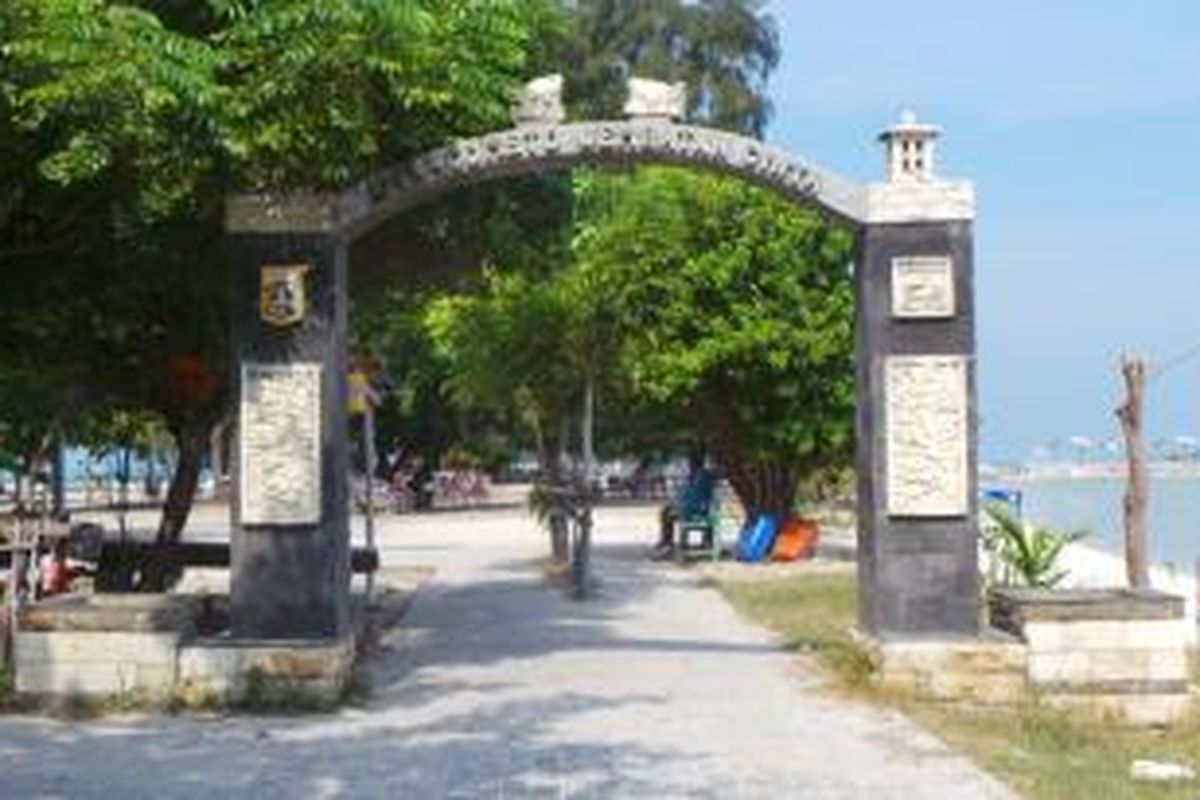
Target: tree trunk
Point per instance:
(588, 430)
(762, 487)
(58, 479)
(1130, 413)
(163, 568)
(218, 459)
(550, 468)
(560, 544)
(564, 447)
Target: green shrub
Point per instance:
(1028, 553)
(8, 685)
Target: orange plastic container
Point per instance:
(797, 539)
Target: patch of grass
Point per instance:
(8, 687)
(82, 707)
(1050, 756)
(191, 697)
(78, 706)
(267, 695)
(814, 614)
(1043, 754)
(263, 694)
(356, 692)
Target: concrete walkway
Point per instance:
(499, 686)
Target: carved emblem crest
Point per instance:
(656, 100)
(282, 296)
(539, 102)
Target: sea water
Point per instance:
(1093, 504)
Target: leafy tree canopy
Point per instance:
(723, 49)
(260, 93)
(739, 307)
(695, 301)
(124, 125)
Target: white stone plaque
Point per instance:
(280, 444)
(927, 419)
(923, 287)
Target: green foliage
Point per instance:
(739, 307)
(8, 683)
(265, 694)
(505, 348)
(124, 125)
(320, 93)
(709, 306)
(1029, 553)
(265, 93)
(723, 49)
(389, 326)
(108, 90)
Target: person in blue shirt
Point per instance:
(691, 500)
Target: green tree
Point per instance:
(322, 93)
(725, 50)
(505, 350)
(738, 306)
(127, 125)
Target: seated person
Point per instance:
(691, 500)
(56, 573)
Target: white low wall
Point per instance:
(145, 646)
(1110, 653)
(221, 666)
(65, 663)
(1091, 568)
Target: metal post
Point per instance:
(58, 478)
(10, 605)
(583, 544)
(370, 458)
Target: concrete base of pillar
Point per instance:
(1111, 655)
(267, 672)
(989, 669)
(143, 649)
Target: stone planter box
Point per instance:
(147, 646)
(101, 645)
(1116, 653)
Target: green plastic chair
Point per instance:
(708, 525)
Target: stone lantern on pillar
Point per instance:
(910, 150)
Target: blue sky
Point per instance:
(1079, 123)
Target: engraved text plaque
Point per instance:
(927, 418)
(923, 287)
(280, 443)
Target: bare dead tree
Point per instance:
(1130, 413)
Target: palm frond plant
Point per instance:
(1028, 553)
(556, 505)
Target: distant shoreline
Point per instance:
(1186, 470)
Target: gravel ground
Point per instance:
(497, 685)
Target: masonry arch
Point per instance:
(915, 424)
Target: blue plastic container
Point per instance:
(757, 538)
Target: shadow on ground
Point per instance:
(435, 727)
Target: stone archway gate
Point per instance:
(916, 409)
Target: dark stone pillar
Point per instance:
(917, 574)
(292, 581)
